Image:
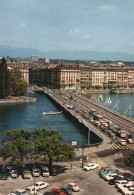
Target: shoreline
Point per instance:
(21, 99)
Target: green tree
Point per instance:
(16, 146)
(4, 79)
(18, 86)
(48, 143)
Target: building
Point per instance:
(47, 60)
(74, 75)
(34, 58)
(20, 67)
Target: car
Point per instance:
(35, 172)
(20, 192)
(31, 189)
(117, 185)
(107, 171)
(110, 176)
(41, 185)
(14, 173)
(90, 166)
(44, 171)
(26, 174)
(58, 191)
(3, 175)
(115, 179)
(127, 189)
(103, 167)
(73, 186)
(66, 190)
(124, 187)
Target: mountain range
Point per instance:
(15, 52)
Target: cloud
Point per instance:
(106, 8)
(75, 31)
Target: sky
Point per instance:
(51, 25)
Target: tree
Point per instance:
(16, 146)
(19, 87)
(48, 143)
(4, 79)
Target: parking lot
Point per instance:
(89, 182)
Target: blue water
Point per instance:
(119, 102)
(30, 116)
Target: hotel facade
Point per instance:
(74, 75)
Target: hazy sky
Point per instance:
(49, 25)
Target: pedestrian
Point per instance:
(71, 166)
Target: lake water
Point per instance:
(29, 116)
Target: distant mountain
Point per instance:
(69, 55)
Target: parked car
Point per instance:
(35, 172)
(90, 166)
(3, 175)
(117, 185)
(41, 185)
(107, 171)
(73, 187)
(14, 173)
(57, 191)
(20, 192)
(31, 189)
(26, 174)
(110, 176)
(66, 190)
(115, 180)
(103, 167)
(44, 171)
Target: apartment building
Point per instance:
(74, 75)
(20, 67)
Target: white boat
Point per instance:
(47, 113)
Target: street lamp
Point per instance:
(83, 146)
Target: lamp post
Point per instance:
(83, 146)
(33, 157)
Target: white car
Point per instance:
(20, 192)
(90, 166)
(14, 173)
(41, 185)
(127, 189)
(120, 183)
(73, 187)
(31, 189)
(109, 176)
(35, 172)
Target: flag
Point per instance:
(92, 96)
(100, 98)
(84, 91)
(109, 101)
(62, 103)
(128, 109)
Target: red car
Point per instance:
(58, 191)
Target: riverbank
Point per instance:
(21, 99)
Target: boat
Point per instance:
(49, 113)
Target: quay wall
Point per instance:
(95, 139)
(17, 100)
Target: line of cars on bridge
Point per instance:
(110, 128)
(123, 181)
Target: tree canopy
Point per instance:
(11, 82)
(19, 145)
